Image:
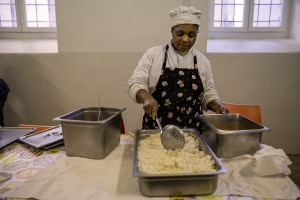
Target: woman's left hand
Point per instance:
(217, 107)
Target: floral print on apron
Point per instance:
(178, 93)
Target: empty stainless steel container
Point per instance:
(231, 135)
(89, 137)
(155, 185)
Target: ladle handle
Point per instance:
(157, 121)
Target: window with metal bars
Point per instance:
(267, 13)
(246, 16)
(228, 13)
(27, 16)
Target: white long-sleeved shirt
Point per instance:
(148, 71)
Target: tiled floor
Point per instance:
(295, 168)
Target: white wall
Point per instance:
(90, 65)
(118, 26)
(45, 86)
(295, 21)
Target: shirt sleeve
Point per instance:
(140, 77)
(210, 92)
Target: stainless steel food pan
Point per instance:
(11, 134)
(231, 135)
(45, 138)
(86, 136)
(177, 184)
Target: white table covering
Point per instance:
(261, 175)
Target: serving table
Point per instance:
(50, 174)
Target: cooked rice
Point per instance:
(153, 158)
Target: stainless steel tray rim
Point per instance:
(182, 175)
(224, 132)
(92, 122)
(80, 121)
(219, 131)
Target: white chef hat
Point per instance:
(185, 15)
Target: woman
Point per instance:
(174, 81)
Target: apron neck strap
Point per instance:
(166, 56)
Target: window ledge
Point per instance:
(28, 46)
(252, 46)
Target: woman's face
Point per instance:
(184, 36)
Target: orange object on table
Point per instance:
(39, 127)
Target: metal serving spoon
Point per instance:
(171, 136)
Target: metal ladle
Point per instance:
(171, 136)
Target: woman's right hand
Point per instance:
(150, 105)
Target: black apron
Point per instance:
(178, 93)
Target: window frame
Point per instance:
(14, 29)
(284, 21)
(21, 22)
(248, 31)
(227, 29)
